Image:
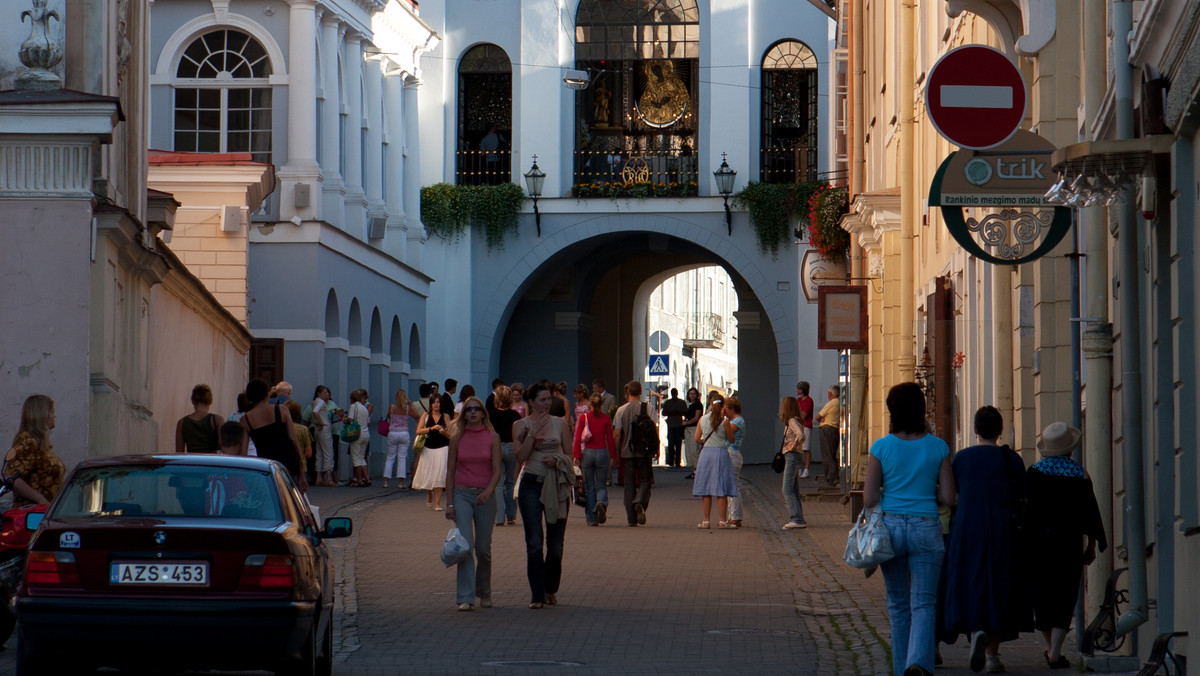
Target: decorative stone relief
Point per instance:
(124, 48)
(45, 170)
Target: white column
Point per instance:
(333, 190)
(412, 174)
(356, 199)
(393, 93)
(301, 167)
(373, 142)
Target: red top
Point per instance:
(600, 426)
(806, 405)
(474, 465)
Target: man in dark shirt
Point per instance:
(674, 410)
(490, 404)
(448, 397)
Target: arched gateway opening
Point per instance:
(577, 311)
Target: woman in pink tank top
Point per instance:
(473, 469)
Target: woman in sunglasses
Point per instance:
(472, 472)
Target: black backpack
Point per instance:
(643, 439)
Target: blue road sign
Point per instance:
(660, 364)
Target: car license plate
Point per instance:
(185, 573)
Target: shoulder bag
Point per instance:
(869, 542)
(779, 462)
(585, 435)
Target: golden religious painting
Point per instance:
(665, 97)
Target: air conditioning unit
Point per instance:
(377, 227)
(231, 218)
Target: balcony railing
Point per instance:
(789, 165)
(673, 171)
(704, 330)
(483, 167)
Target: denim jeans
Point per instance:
(735, 501)
(911, 580)
(506, 501)
(791, 486)
(544, 571)
(638, 476)
(594, 463)
(476, 523)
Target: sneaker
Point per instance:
(601, 512)
(791, 525)
(979, 641)
(464, 606)
(485, 602)
(994, 665)
(804, 473)
(640, 512)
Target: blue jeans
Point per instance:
(544, 572)
(594, 463)
(791, 487)
(911, 580)
(476, 523)
(504, 489)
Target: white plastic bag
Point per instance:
(455, 549)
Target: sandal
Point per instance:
(702, 524)
(552, 599)
(723, 524)
(535, 606)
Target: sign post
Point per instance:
(975, 97)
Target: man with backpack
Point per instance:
(637, 439)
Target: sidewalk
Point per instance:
(662, 598)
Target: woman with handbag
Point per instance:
(360, 414)
(915, 468)
(985, 597)
(593, 449)
(430, 475)
(503, 418)
(793, 445)
(397, 438)
(714, 470)
(472, 472)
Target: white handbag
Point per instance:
(869, 542)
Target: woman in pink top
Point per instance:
(593, 455)
(472, 472)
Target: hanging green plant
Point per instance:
(826, 206)
(447, 210)
(771, 207)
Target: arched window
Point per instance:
(636, 119)
(223, 96)
(789, 113)
(484, 117)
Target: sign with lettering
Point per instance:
(842, 318)
(817, 271)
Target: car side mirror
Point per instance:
(33, 520)
(337, 527)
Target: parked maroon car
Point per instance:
(182, 561)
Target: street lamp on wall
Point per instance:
(725, 177)
(533, 181)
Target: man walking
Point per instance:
(829, 419)
(634, 435)
(448, 398)
(805, 403)
(607, 400)
(674, 410)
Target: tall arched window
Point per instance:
(223, 96)
(789, 113)
(637, 118)
(484, 117)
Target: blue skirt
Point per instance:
(714, 473)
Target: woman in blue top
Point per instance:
(908, 473)
(735, 431)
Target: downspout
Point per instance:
(858, 159)
(1131, 339)
(909, 194)
(1098, 331)
(858, 267)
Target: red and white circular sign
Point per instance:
(975, 97)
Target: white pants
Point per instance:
(323, 440)
(735, 501)
(397, 449)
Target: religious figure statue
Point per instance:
(601, 103)
(665, 97)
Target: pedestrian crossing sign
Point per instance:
(660, 364)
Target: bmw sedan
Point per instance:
(189, 561)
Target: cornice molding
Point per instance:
(1024, 26)
(45, 168)
(871, 215)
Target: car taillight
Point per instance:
(46, 568)
(268, 571)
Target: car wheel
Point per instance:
(306, 665)
(325, 659)
(8, 619)
(28, 662)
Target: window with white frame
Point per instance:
(223, 96)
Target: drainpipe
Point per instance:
(1098, 331)
(1131, 339)
(906, 360)
(858, 265)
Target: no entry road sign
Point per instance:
(975, 97)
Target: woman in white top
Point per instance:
(322, 436)
(541, 441)
(398, 439)
(359, 413)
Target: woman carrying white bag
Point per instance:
(908, 474)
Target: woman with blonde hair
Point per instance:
(503, 418)
(518, 399)
(793, 446)
(714, 472)
(196, 432)
(39, 471)
(358, 412)
(472, 472)
(398, 439)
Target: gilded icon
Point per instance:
(665, 97)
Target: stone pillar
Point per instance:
(397, 120)
(298, 178)
(333, 191)
(416, 234)
(373, 146)
(356, 199)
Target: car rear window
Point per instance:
(169, 490)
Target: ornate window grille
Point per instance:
(484, 103)
(789, 113)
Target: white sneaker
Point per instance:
(804, 473)
(994, 665)
(792, 525)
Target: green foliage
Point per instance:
(447, 210)
(771, 207)
(638, 189)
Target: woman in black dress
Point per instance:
(1065, 527)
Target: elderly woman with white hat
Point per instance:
(1065, 527)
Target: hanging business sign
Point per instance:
(1010, 180)
(842, 318)
(817, 271)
